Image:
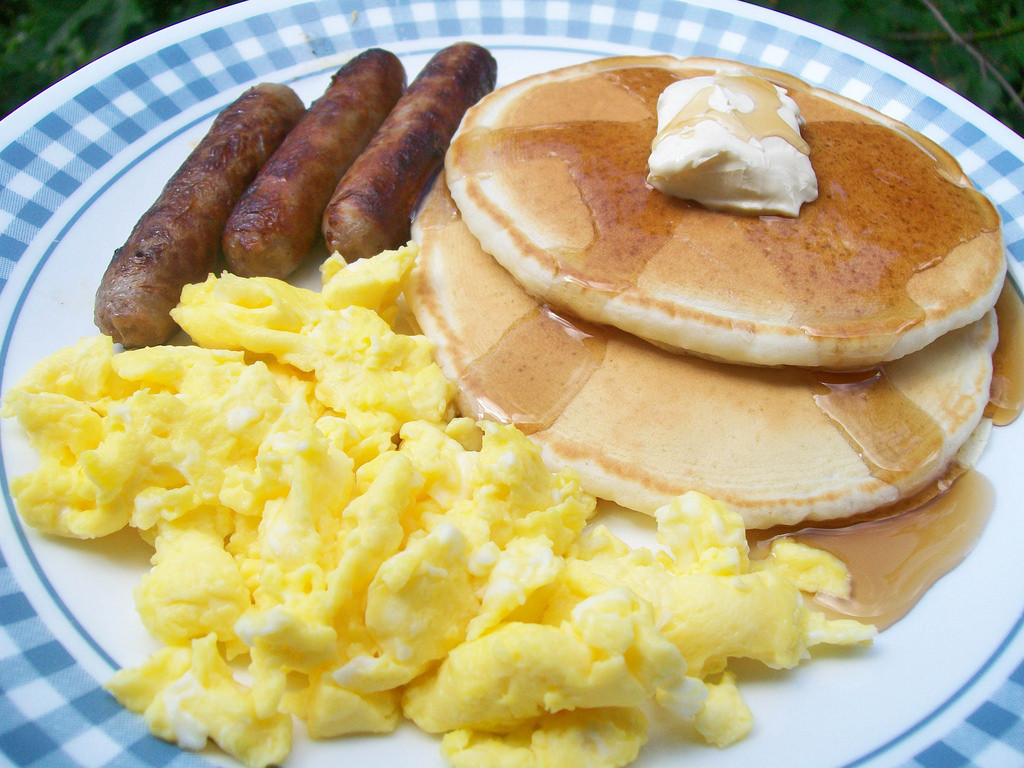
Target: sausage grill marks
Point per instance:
(177, 240)
(277, 222)
(372, 207)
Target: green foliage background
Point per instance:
(42, 41)
(976, 47)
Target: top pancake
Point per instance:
(549, 174)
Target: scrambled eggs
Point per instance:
(324, 524)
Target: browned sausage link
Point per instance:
(177, 240)
(277, 221)
(372, 207)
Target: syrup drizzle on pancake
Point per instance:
(543, 361)
(525, 363)
(887, 210)
(1007, 397)
(893, 435)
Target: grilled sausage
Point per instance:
(178, 239)
(372, 207)
(277, 221)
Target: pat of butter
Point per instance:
(732, 142)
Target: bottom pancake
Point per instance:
(641, 425)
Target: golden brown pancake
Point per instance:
(642, 425)
(549, 174)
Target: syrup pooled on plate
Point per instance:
(896, 554)
(894, 560)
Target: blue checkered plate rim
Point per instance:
(79, 163)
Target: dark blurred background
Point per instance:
(976, 47)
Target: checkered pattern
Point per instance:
(54, 714)
(51, 711)
(991, 737)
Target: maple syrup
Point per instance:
(894, 555)
(841, 269)
(894, 436)
(761, 121)
(542, 361)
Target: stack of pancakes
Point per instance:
(799, 369)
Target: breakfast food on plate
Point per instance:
(891, 250)
(321, 518)
(267, 223)
(277, 221)
(335, 506)
(641, 425)
(374, 202)
(177, 240)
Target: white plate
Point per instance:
(80, 163)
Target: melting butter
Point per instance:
(732, 142)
